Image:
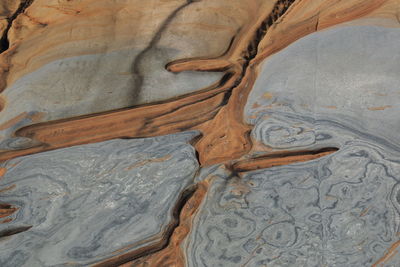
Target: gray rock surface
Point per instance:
(329, 87)
(92, 202)
(341, 210)
(339, 87)
(93, 83)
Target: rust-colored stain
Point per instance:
(379, 108)
(331, 107)
(381, 94)
(144, 162)
(6, 210)
(6, 220)
(2, 171)
(364, 212)
(2, 103)
(7, 188)
(37, 116)
(267, 95)
(392, 251)
(279, 159)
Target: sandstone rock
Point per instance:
(7, 9)
(294, 102)
(338, 88)
(70, 58)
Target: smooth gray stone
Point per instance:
(92, 202)
(340, 210)
(330, 87)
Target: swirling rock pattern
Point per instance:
(283, 134)
(92, 202)
(341, 210)
(322, 83)
(329, 100)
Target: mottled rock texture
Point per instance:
(341, 210)
(90, 203)
(337, 88)
(240, 133)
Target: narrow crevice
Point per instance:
(14, 231)
(227, 96)
(197, 154)
(165, 240)
(225, 79)
(317, 23)
(279, 9)
(279, 159)
(4, 42)
(241, 87)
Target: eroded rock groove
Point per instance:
(4, 42)
(280, 159)
(14, 231)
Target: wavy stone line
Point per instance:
(93, 202)
(284, 134)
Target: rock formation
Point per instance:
(199, 133)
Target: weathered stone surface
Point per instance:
(252, 31)
(307, 137)
(334, 88)
(89, 203)
(341, 210)
(327, 87)
(70, 58)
